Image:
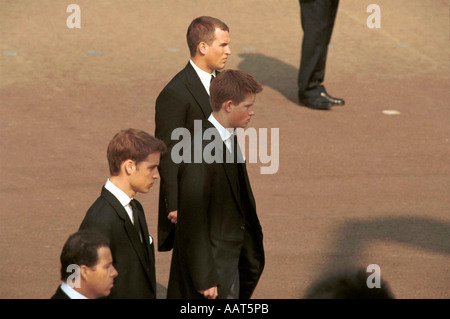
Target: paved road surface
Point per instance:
(355, 186)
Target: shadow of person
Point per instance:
(271, 72)
(352, 237)
(339, 276)
(349, 283)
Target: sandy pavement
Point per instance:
(355, 186)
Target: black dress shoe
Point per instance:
(333, 100)
(317, 103)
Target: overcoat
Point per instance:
(182, 101)
(218, 230)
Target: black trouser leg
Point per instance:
(317, 19)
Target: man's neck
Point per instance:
(73, 292)
(87, 294)
(222, 119)
(123, 185)
(201, 64)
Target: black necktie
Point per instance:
(212, 78)
(137, 225)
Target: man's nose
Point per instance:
(114, 273)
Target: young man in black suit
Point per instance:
(183, 100)
(133, 157)
(218, 250)
(87, 270)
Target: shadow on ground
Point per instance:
(353, 237)
(271, 72)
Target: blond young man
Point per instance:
(184, 100)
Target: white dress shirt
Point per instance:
(125, 201)
(223, 132)
(205, 77)
(72, 293)
(122, 197)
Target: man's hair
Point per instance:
(131, 144)
(202, 29)
(232, 85)
(81, 249)
(347, 284)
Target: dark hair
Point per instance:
(202, 29)
(131, 144)
(232, 85)
(347, 284)
(81, 249)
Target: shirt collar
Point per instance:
(118, 193)
(204, 76)
(224, 133)
(72, 293)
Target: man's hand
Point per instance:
(173, 216)
(210, 293)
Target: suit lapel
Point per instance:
(230, 169)
(198, 91)
(145, 234)
(247, 185)
(243, 164)
(129, 228)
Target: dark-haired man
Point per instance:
(87, 270)
(133, 157)
(184, 100)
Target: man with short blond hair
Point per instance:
(184, 100)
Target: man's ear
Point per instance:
(202, 48)
(128, 166)
(84, 272)
(228, 105)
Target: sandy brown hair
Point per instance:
(232, 85)
(202, 29)
(131, 144)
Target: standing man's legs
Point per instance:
(317, 19)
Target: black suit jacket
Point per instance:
(215, 234)
(183, 100)
(60, 294)
(134, 260)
